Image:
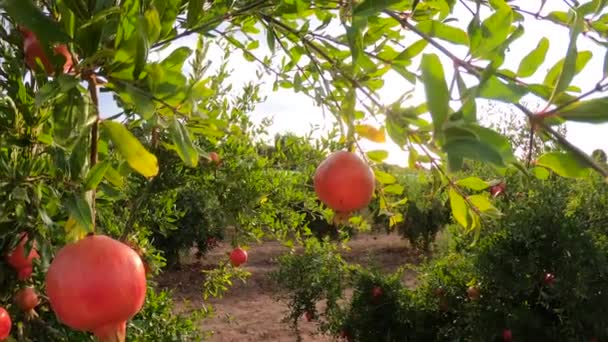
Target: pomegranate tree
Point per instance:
(27, 300)
(5, 324)
(96, 284)
(21, 262)
(344, 182)
(238, 256)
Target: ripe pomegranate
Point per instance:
(439, 292)
(33, 50)
(309, 316)
(498, 189)
(96, 284)
(549, 278)
(376, 292)
(19, 261)
(27, 300)
(344, 182)
(238, 256)
(5, 324)
(507, 335)
(214, 157)
(473, 293)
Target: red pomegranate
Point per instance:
(96, 284)
(5, 324)
(27, 300)
(507, 335)
(498, 189)
(344, 182)
(238, 257)
(33, 50)
(473, 293)
(214, 157)
(19, 261)
(309, 316)
(376, 292)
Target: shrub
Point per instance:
(540, 272)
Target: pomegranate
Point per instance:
(27, 300)
(5, 324)
(498, 189)
(33, 51)
(238, 257)
(473, 293)
(19, 261)
(376, 292)
(549, 278)
(344, 182)
(214, 157)
(96, 284)
(309, 316)
(507, 335)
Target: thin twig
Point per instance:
(94, 141)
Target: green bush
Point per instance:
(540, 270)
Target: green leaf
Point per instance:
(571, 60)
(495, 89)
(540, 173)
(582, 59)
(534, 59)
(493, 32)
(483, 204)
(436, 89)
(395, 189)
(459, 207)
(142, 47)
(445, 32)
(370, 7)
(131, 149)
(384, 178)
(473, 183)
(185, 148)
(96, 174)
(498, 142)
(114, 177)
(411, 51)
(79, 209)
(175, 61)
(564, 164)
(591, 111)
(477, 143)
(152, 21)
(194, 10)
(27, 14)
(377, 155)
(270, 38)
(473, 149)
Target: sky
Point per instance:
(296, 113)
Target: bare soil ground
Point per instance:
(250, 311)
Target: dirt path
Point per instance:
(250, 312)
